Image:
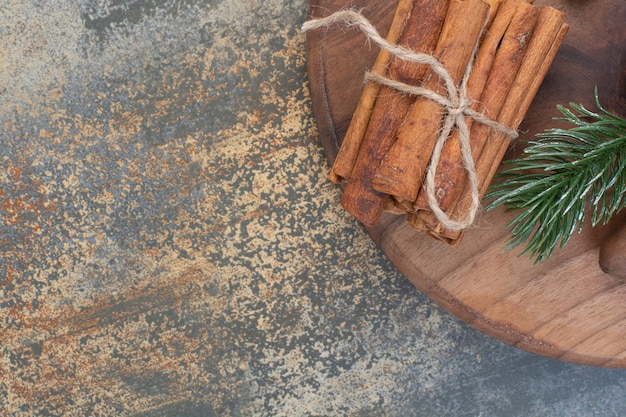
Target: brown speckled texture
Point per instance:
(170, 245)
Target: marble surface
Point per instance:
(170, 244)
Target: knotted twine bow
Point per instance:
(456, 105)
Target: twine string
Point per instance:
(456, 103)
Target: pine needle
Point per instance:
(561, 174)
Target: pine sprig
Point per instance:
(561, 173)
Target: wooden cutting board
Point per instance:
(566, 307)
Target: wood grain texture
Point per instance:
(566, 307)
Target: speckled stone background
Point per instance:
(170, 245)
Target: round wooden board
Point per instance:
(564, 308)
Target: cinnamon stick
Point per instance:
(396, 207)
(351, 143)
(498, 61)
(420, 34)
(494, 6)
(403, 167)
(542, 48)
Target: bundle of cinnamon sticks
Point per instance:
(507, 46)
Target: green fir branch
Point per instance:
(561, 173)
